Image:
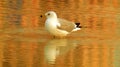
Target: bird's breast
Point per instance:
(50, 24)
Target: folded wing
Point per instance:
(66, 25)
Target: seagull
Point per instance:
(58, 27)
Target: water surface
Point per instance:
(25, 43)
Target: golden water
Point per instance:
(25, 43)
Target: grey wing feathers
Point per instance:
(66, 25)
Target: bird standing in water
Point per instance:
(59, 27)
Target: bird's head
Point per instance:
(50, 14)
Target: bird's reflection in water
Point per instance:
(57, 47)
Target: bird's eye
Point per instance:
(48, 13)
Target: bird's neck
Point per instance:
(53, 18)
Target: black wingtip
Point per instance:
(78, 25)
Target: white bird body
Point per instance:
(51, 27)
(58, 27)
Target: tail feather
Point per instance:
(76, 29)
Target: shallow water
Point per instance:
(25, 43)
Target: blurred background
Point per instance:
(25, 43)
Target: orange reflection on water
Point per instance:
(25, 43)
